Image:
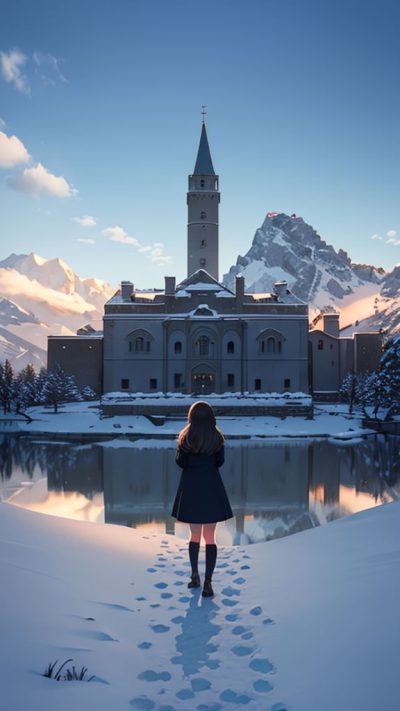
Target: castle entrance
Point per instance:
(203, 383)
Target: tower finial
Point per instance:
(203, 111)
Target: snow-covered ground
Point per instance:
(84, 418)
(305, 623)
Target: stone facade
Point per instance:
(199, 337)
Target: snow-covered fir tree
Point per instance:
(59, 388)
(6, 386)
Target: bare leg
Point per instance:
(209, 532)
(195, 532)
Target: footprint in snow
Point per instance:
(145, 645)
(159, 629)
(262, 686)
(242, 650)
(151, 675)
(230, 591)
(229, 603)
(200, 684)
(234, 698)
(161, 585)
(185, 694)
(262, 666)
(232, 617)
(151, 570)
(239, 581)
(209, 707)
(166, 595)
(256, 611)
(142, 703)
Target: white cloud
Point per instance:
(157, 255)
(85, 221)
(376, 236)
(391, 233)
(85, 240)
(12, 151)
(38, 180)
(118, 234)
(154, 252)
(46, 61)
(392, 240)
(11, 66)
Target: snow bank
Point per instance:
(303, 623)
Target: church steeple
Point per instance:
(203, 200)
(204, 164)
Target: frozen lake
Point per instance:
(276, 488)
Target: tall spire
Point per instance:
(204, 164)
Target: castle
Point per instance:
(197, 336)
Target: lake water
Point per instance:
(276, 488)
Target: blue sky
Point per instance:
(104, 101)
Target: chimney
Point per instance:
(169, 286)
(331, 324)
(280, 288)
(126, 290)
(239, 286)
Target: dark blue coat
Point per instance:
(201, 495)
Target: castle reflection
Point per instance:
(275, 488)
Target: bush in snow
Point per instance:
(88, 393)
(66, 675)
(389, 379)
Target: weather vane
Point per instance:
(203, 111)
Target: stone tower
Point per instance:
(203, 200)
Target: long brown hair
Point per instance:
(201, 435)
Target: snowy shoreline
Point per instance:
(83, 420)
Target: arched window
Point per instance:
(139, 341)
(270, 341)
(203, 243)
(230, 347)
(178, 347)
(203, 262)
(204, 345)
(203, 215)
(270, 345)
(202, 183)
(320, 345)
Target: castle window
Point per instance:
(270, 341)
(178, 347)
(204, 345)
(230, 347)
(124, 384)
(203, 262)
(320, 345)
(203, 215)
(153, 383)
(231, 380)
(257, 384)
(286, 383)
(203, 243)
(202, 183)
(139, 341)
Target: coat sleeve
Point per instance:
(180, 458)
(220, 457)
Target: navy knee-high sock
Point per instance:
(211, 559)
(194, 548)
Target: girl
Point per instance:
(201, 498)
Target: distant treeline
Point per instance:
(28, 388)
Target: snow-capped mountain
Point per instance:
(287, 248)
(43, 297)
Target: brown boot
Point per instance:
(194, 581)
(207, 589)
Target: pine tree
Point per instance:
(389, 378)
(6, 386)
(88, 393)
(348, 388)
(59, 387)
